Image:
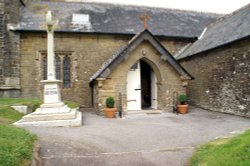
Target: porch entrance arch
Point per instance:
(142, 81)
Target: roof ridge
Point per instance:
(222, 18)
(114, 18)
(138, 6)
(222, 32)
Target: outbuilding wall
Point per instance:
(222, 78)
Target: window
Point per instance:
(62, 67)
(134, 67)
(66, 72)
(80, 19)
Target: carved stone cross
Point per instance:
(145, 17)
(50, 47)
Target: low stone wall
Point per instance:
(21, 108)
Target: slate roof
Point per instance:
(230, 28)
(115, 19)
(121, 54)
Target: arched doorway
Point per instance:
(141, 87)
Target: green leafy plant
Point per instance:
(71, 104)
(183, 99)
(110, 102)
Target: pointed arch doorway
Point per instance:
(141, 87)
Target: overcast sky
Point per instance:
(215, 6)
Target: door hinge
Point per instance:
(130, 100)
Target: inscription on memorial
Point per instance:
(50, 91)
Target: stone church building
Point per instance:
(102, 50)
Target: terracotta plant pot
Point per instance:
(183, 109)
(110, 112)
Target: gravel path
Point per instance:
(146, 140)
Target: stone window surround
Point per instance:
(61, 54)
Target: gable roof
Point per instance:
(114, 19)
(232, 27)
(144, 35)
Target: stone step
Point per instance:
(47, 117)
(77, 121)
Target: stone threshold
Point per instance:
(148, 111)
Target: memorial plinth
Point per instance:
(53, 112)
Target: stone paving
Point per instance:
(147, 140)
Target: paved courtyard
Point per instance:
(146, 140)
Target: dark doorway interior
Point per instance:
(145, 85)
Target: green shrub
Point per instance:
(183, 99)
(110, 102)
(71, 104)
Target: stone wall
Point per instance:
(168, 80)
(89, 52)
(2, 34)
(10, 57)
(222, 79)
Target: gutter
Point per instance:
(193, 38)
(218, 46)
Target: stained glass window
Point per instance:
(44, 58)
(58, 67)
(66, 72)
(62, 67)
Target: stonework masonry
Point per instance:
(2, 31)
(168, 80)
(222, 78)
(221, 75)
(89, 52)
(9, 54)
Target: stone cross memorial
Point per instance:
(52, 97)
(53, 112)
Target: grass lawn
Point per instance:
(16, 144)
(32, 103)
(8, 115)
(224, 152)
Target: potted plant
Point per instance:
(183, 106)
(110, 111)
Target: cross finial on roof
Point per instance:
(145, 17)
